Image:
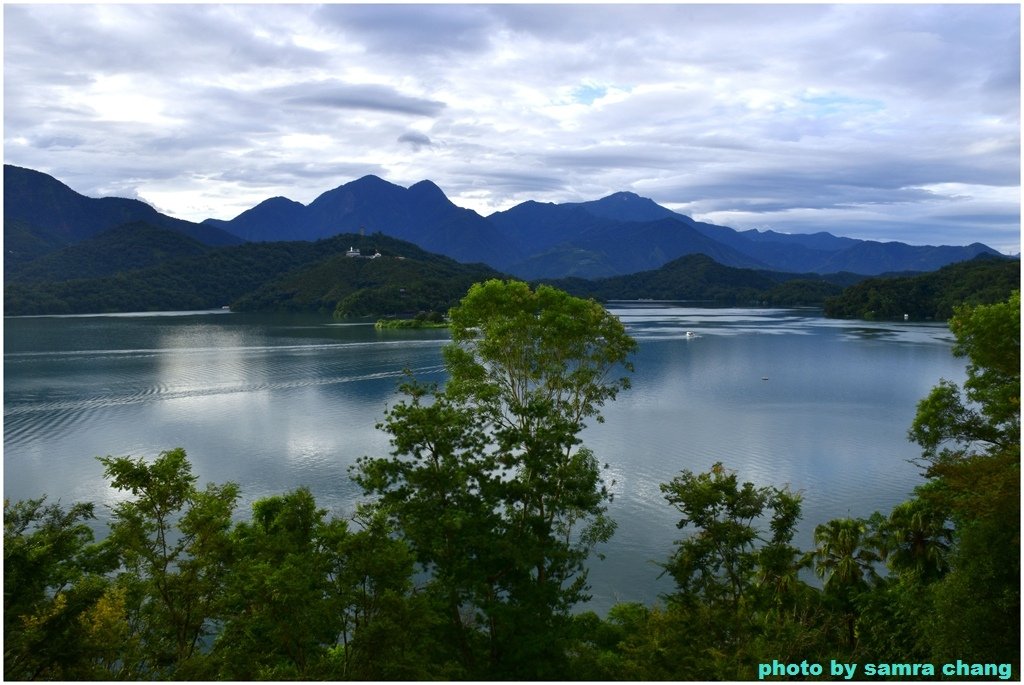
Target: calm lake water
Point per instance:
(275, 402)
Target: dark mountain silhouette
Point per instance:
(273, 219)
(624, 233)
(625, 206)
(629, 246)
(615, 235)
(40, 211)
(421, 214)
(874, 258)
(815, 241)
(535, 227)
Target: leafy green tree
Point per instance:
(734, 582)
(844, 557)
(916, 539)
(54, 575)
(275, 608)
(488, 481)
(970, 440)
(173, 541)
(388, 631)
(723, 560)
(983, 417)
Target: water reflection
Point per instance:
(272, 403)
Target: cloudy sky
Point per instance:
(874, 121)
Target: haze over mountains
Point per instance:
(619, 234)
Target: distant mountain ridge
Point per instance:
(41, 214)
(421, 214)
(616, 235)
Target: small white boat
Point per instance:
(691, 334)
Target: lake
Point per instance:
(273, 402)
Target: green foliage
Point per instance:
(950, 423)
(173, 542)
(935, 295)
(844, 555)
(970, 440)
(487, 481)
(53, 581)
(738, 596)
(421, 320)
(916, 538)
(723, 560)
(271, 606)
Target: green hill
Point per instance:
(128, 247)
(289, 276)
(699, 277)
(392, 284)
(929, 296)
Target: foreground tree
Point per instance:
(845, 558)
(970, 443)
(173, 542)
(276, 622)
(54, 578)
(736, 573)
(488, 481)
(983, 417)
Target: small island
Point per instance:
(422, 320)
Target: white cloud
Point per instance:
(857, 119)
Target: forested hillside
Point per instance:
(285, 276)
(128, 247)
(388, 285)
(701, 278)
(929, 296)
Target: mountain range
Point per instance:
(616, 235)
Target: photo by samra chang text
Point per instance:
(853, 671)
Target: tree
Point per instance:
(173, 543)
(54, 576)
(916, 539)
(970, 440)
(388, 632)
(488, 481)
(844, 557)
(984, 417)
(733, 580)
(724, 558)
(278, 620)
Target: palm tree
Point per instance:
(845, 560)
(917, 540)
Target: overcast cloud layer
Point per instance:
(874, 121)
